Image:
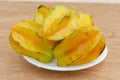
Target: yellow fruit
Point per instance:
(43, 9)
(28, 24)
(41, 57)
(58, 32)
(32, 25)
(31, 42)
(77, 45)
(61, 28)
(85, 20)
(41, 14)
(53, 18)
(49, 43)
(28, 39)
(93, 54)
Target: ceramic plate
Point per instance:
(53, 66)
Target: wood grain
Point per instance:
(14, 67)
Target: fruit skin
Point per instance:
(41, 14)
(33, 26)
(44, 9)
(41, 57)
(84, 20)
(49, 43)
(28, 39)
(85, 39)
(96, 52)
(38, 18)
(55, 15)
(28, 24)
(53, 18)
(59, 30)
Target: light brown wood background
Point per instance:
(14, 67)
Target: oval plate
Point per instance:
(53, 66)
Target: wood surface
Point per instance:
(14, 67)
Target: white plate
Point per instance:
(53, 66)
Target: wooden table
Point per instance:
(14, 67)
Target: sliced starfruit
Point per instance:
(41, 14)
(77, 45)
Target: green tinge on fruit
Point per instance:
(84, 20)
(38, 18)
(84, 39)
(53, 18)
(41, 14)
(29, 24)
(29, 40)
(58, 33)
(34, 28)
(65, 27)
(41, 57)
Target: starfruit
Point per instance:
(95, 53)
(28, 39)
(41, 14)
(85, 40)
(85, 20)
(38, 56)
(59, 23)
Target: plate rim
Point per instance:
(68, 68)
